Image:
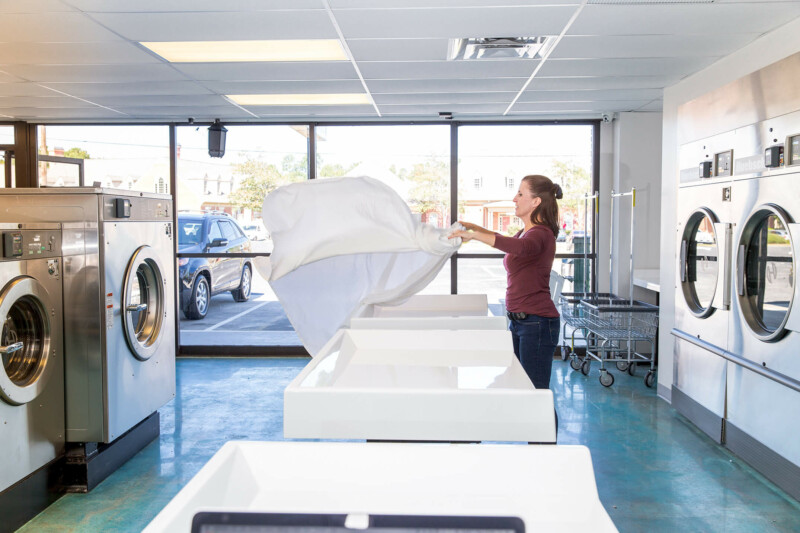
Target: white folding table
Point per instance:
(551, 488)
(418, 385)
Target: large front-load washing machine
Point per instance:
(31, 348)
(119, 303)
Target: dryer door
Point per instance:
(702, 259)
(143, 306)
(25, 341)
(765, 272)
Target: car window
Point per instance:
(190, 231)
(214, 232)
(229, 230)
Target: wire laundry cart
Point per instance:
(614, 328)
(617, 328)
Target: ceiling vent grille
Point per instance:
(648, 2)
(498, 48)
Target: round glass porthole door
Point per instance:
(25, 340)
(143, 303)
(765, 272)
(699, 262)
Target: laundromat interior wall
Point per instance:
(767, 49)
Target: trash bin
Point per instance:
(582, 270)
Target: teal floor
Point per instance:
(654, 470)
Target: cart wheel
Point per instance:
(586, 366)
(606, 379)
(622, 366)
(575, 363)
(650, 378)
(632, 369)
(564, 353)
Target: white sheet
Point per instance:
(341, 244)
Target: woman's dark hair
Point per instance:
(546, 213)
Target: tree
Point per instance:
(429, 191)
(299, 167)
(260, 178)
(77, 153)
(575, 182)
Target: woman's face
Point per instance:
(525, 202)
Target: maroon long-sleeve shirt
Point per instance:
(528, 261)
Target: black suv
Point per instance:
(200, 278)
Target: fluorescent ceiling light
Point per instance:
(301, 99)
(240, 51)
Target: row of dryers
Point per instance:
(87, 314)
(737, 318)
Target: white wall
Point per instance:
(764, 51)
(637, 163)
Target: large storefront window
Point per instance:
(493, 159)
(134, 158)
(222, 243)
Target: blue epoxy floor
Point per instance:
(654, 470)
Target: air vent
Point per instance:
(497, 48)
(648, 2)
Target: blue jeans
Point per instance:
(535, 339)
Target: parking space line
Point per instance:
(231, 319)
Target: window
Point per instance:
(214, 232)
(162, 187)
(229, 231)
(477, 183)
(510, 184)
(119, 157)
(6, 135)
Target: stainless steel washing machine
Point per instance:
(119, 303)
(31, 347)
(702, 303)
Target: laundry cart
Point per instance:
(572, 317)
(618, 328)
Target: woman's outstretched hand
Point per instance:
(469, 232)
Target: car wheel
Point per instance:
(198, 303)
(242, 294)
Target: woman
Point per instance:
(535, 322)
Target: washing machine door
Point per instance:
(765, 271)
(702, 260)
(143, 305)
(25, 342)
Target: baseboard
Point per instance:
(773, 466)
(705, 420)
(664, 392)
(30, 496)
(88, 464)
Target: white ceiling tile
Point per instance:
(601, 106)
(392, 4)
(183, 112)
(447, 69)
(588, 95)
(438, 85)
(674, 66)
(398, 49)
(285, 87)
(88, 113)
(47, 27)
(444, 98)
(128, 101)
(23, 89)
(603, 82)
(312, 111)
(682, 19)
(453, 22)
(6, 77)
(43, 102)
(74, 54)
(142, 6)
(94, 73)
(434, 109)
(311, 24)
(33, 6)
(302, 70)
(573, 47)
(90, 90)
(655, 105)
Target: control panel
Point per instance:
(723, 163)
(793, 150)
(31, 244)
